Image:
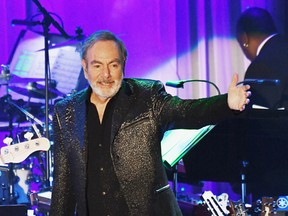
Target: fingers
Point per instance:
(248, 93)
(234, 79)
(247, 101)
(247, 87)
(238, 95)
(242, 107)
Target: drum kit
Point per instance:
(25, 125)
(19, 118)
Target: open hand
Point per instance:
(238, 96)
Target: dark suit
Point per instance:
(268, 167)
(271, 63)
(143, 112)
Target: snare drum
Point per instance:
(4, 185)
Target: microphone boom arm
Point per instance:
(206, 81)
(180, 84)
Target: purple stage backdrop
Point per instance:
(167, 40)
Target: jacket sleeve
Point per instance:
(174, 112)
(63, 201)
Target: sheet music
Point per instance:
(176, 143)
(29, 62)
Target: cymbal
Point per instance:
(74, 41)
(12, 78)
(35, 90)
(71, 42)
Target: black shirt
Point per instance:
(103, 190)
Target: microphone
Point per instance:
(180, 83)
(260, 81)
(175, 84)
(25, 22)
(50, 18)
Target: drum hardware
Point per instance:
(6, 77)
(4, 193)
(28, 136)
(21, 178)
(12, 197)
(36, 90)
(72, 41)
(47, 21)
(25, 112)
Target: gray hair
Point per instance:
(103, 35)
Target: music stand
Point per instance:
(176, 143)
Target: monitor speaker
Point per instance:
(15, 210)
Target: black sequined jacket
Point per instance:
(143, 112)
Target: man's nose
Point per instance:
(106, 71)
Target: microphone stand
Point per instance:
(180, 84)
(47, 21)
(175, 180)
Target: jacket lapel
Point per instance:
(122, 105)
(80, 118)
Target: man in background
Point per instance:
(268, 52)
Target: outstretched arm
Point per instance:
(238, 96)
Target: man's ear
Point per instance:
(84, 66)
(245, 38)
(242, 38)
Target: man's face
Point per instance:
(103, 68)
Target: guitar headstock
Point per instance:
(216, 207)
(19, 152)
(237, 208)
(268, 206)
